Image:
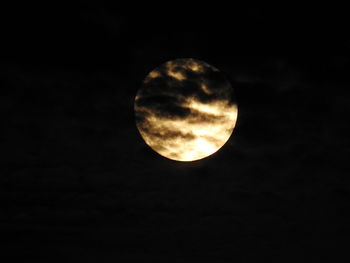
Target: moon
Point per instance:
(185, 109)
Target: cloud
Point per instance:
(185, 110)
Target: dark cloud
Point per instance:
(168, 134)
(199, 116)
(165, 94)
(168, 106)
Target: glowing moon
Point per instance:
(185, 110)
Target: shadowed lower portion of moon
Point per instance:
(185, 110)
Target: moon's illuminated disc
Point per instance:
(185, 110)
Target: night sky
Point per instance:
(78, 183)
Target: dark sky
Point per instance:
(80, 185)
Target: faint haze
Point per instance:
(79, 184)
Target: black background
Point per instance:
(80, 185)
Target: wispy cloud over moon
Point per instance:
(185, 110)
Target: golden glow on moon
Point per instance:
(185, 110)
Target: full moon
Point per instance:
(185, 109)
